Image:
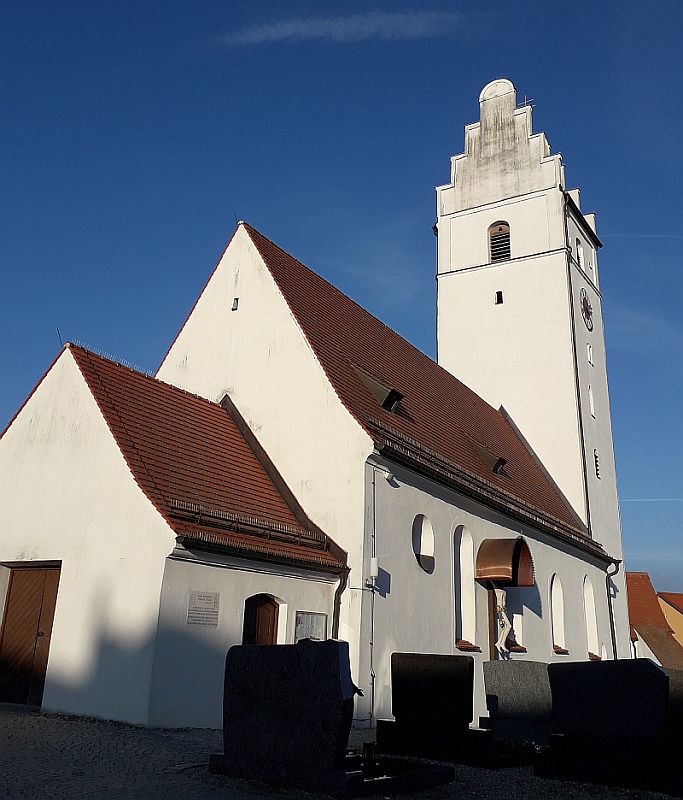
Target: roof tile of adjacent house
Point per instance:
(189, 457)
(674, 599)
(437, 413)
(648, 621)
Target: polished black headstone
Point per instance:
(609, 701)
(432, 690)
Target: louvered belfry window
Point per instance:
(499, 241)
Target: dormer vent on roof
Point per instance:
(495, 463)
(386, 396)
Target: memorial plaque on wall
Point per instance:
(203, 608)
(310, 625)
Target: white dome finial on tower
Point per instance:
(496, 88)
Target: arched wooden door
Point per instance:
(260, 620)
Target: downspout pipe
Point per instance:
(616, 563)
(336, 610)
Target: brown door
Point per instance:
(260, 620)
(25, 636)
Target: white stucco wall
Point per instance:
(189, 660)
(67, 495)
(518, 354)
(261, 358)
(418, 612)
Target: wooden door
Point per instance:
(260, 620)
(25, 636)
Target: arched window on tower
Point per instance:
(579, 254)
(499, 242)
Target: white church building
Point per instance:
(296, 468)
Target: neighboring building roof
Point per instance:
(192, 460)
(438, 425)
(674, 599)
(648, 621)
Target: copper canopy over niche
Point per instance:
(505, 561)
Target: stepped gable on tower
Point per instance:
(503, 158)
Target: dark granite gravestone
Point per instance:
(282, 710)
(432, 701)
(609, 701)
(676, 702)
(614, 723)
(519, 700)
(287, 713)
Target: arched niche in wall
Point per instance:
(465, 603)
(423, 543)
(591, 619)
(557, 614)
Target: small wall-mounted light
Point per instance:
(374, 568)
(235, 303)
(389, 476)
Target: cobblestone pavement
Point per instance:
(53, 757)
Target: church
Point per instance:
(296, 469)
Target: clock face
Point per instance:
(586, 310)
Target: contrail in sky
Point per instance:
(642, 236)
(349, 29)
(654, 500)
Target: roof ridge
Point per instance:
(146, 375)
(113, 410)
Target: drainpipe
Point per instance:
(373, 552)
(336, 610)
(608, 576)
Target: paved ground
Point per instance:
(54, 757)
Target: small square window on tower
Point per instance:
(591, 401)
(589, 353)
(499, 299)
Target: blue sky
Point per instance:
(134, 134)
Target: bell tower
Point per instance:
(519, 305)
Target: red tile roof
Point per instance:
(674, 599)
(189, 457)
(648, 621)
(440, 423)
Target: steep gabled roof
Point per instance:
(432, 420)
(192, 460)
(648, 621)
